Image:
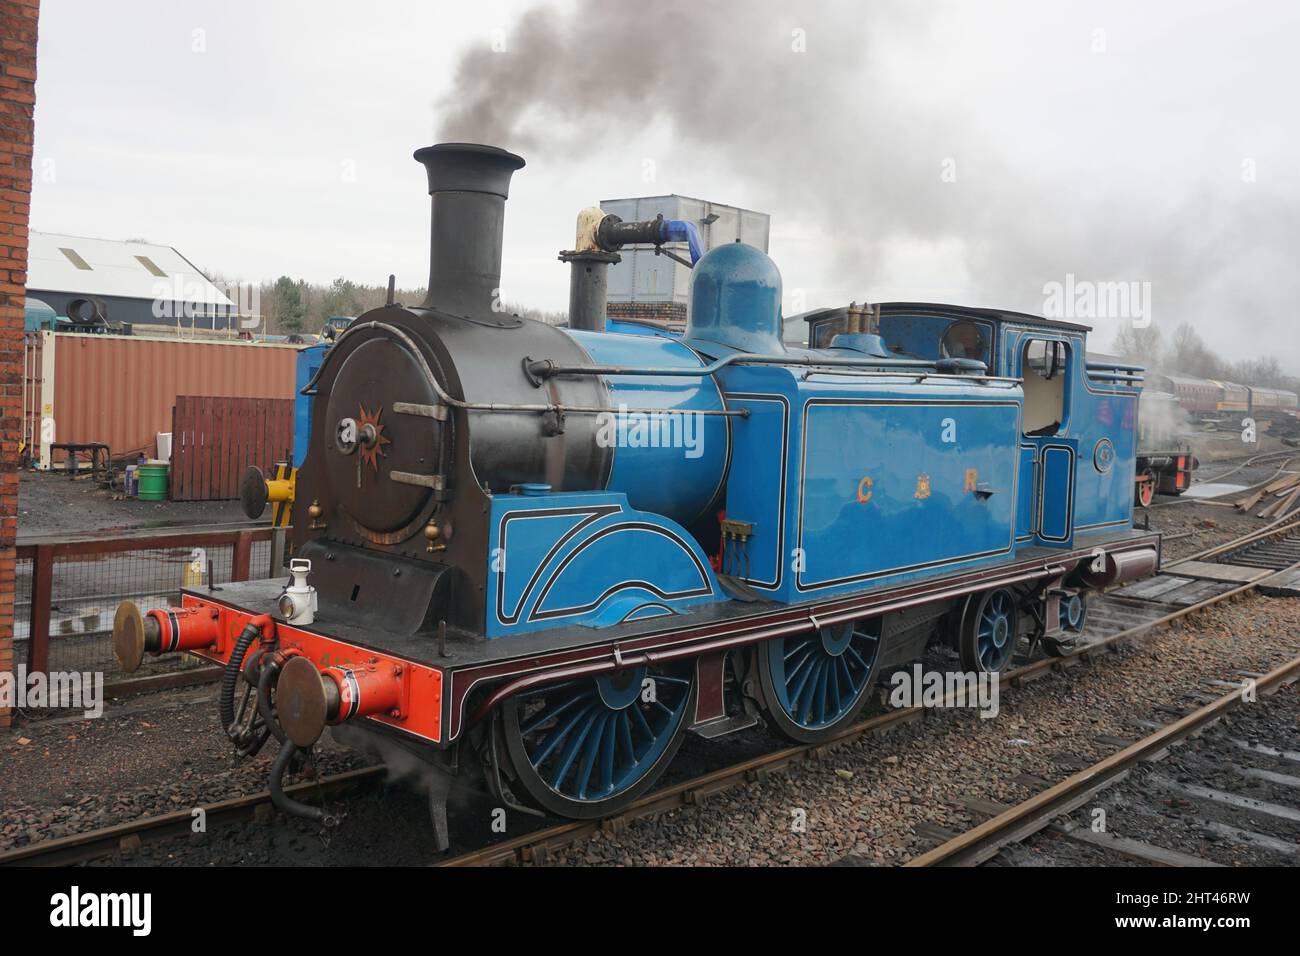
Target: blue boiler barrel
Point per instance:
(668, 458)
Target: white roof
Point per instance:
(132, 270)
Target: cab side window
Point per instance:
(965, 340)
(1043, 366)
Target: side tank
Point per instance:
(668, 458)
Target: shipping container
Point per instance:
(120, 390)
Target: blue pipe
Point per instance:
(683, 230)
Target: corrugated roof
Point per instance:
(132, 270)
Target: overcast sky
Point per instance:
(948, 151)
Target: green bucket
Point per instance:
(153, 482)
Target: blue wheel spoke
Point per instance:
(804, 668)
(590, 751)
(846, 671)
(547, 714)
(642, 723)
(796, 693)
(818, 680)
(822, 680)
(796, 648)
(809, 696)
(625, 736)
(571, 749)
(995, 631)
(596, 737)
(608, 740)
(554, 738)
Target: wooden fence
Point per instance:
(215, 439)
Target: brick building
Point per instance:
(17, 101)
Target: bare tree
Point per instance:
(1142, 345)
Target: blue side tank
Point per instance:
(667, 459)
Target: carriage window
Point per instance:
(1043, 366)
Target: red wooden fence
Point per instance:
(215, 439)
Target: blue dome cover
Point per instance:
(736, 301)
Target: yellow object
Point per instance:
(192, 576)
(279, 492)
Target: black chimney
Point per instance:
(469, 184)
(589, 288)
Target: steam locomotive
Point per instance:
(546, 554)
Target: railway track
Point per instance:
(1268, 558)
(126, 837)
(1022, 821)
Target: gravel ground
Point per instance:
(385, 826)
(868, 798)
(152, 754)
(52, 503)
(1150, 807)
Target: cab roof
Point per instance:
(957, 312)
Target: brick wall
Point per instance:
(17, 99)
(670, 314)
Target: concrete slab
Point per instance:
(1213, 489)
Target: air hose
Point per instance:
(270, 671)
(286, 803)
(230, 678)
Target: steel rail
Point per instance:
(1257, 459)
(1284, 525)
(105, 841)
(1016, 823)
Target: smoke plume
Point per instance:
(813, 108)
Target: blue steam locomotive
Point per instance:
(546, 554)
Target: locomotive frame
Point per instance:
(497, 578)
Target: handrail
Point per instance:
(1116, 367)
(548, 368)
